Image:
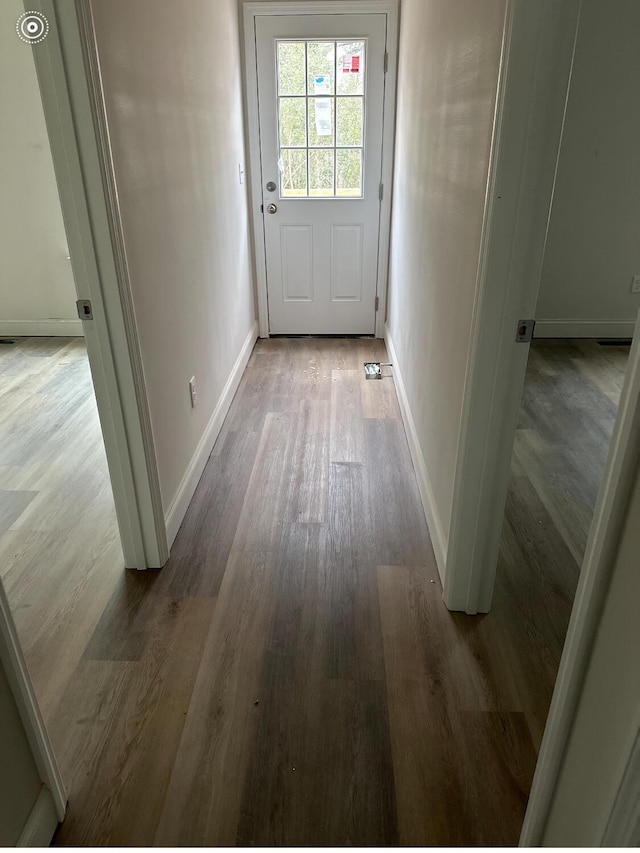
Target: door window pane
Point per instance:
(321, 62)
(291, 67)
(294, 172)
(321, 122)
(293, 121)
(349, 121)
(349, 172)
(321, 172)
(321, 118)
(350, 68)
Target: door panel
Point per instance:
(321, 98)
(296, 243)
(346, 263)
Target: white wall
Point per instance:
(171, 77)
(608, 713)
(449, 61)
(37, 293)
(593, 248)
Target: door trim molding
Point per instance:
(535, 71)
(67, 65)
(322, 7)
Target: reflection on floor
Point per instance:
(60, 553)
(291, 676)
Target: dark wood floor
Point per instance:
(292, 676)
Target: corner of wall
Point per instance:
(439, 539)
(180, 503)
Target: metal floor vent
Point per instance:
(615, 342)
(373, 369)
(6, 341)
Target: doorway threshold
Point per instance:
(329, 337)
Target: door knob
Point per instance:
(271, 208)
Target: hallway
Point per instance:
(292, 676)
(299, 623)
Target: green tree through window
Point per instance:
(321, 117)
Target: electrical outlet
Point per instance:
(192, 392)
(635, 284)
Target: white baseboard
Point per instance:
(434, 523)
(41, 823)
(179, 505)
(584, 329)
(41, 328)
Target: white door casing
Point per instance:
(323, 260)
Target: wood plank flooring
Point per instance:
(292, 677)
(60, 552)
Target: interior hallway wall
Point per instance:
(449, 62)
(593, 248)
(171, 78)
(37, 293)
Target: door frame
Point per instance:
(69, 78)
(251, 10)
(533, 88)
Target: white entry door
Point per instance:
(321, 99)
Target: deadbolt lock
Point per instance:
(271, 187)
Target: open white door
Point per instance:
(80, 150)
(532, 98)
